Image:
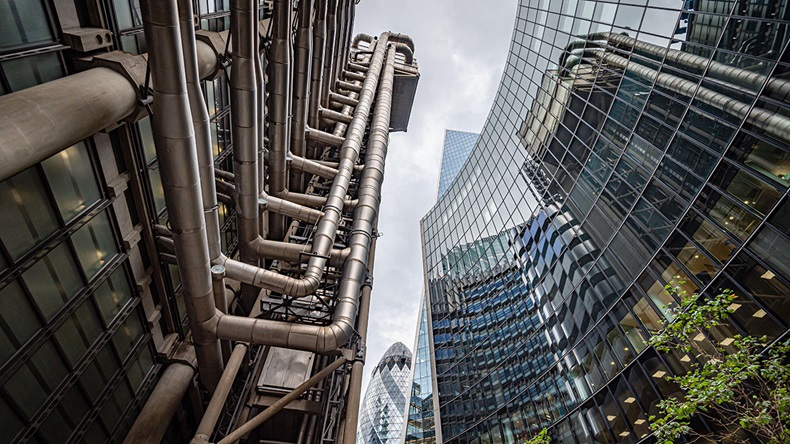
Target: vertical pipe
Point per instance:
(364, 216)
(300, 90)
(319, 32)
(244, 109)
(151, 425)
(220, 301)
(280, 94)
(200, 122)
(174, 138)
(329, 54)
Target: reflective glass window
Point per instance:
(72, 180)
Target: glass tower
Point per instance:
(381, 419)
(628, 146)
(456, 149)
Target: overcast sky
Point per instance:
(461, 47)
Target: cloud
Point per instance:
(461, 47)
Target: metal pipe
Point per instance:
(329, 338)
(300, 92)
(220, 396)
(361, 241)
(289, 209)
(324, 137)
(329, 54)
(200, 123)
(41, 121)
(319, 32)
(356, 67)
(357, 369)
(313, 167)
(152, 422)
(348, 86)
(777, 87)
(317, 201)
(350, 75)
(278, 115)
(174, 138)
(244, 130)
(221, 302)
(343, 100)
(765, 120)
(335, 116)
(281, 403)
(297, 253)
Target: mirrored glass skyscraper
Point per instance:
(381, 419)
(457, 147)
(629, 145)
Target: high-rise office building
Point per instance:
(455, 151)
(183, 241)
(419, 411)
(381, 418)
(628, 146)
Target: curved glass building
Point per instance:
(630, 144)
(381, 418)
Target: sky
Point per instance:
(461, 47)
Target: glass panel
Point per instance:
(156, 188)
(19, 316)
(55, 428)
(78, 333)
(53, 280)
(72, 180)
(95, 244)
(25, 207)
(126, 336)
(147, 136)
(32, 70)
(23, 22)
(112, 295)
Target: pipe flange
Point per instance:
(217, 42)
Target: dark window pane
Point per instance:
(72, 180)
(25, 207)
(18, 317)
(112, 295)
(23, 22)
(53, 280)
(95, 244)
(32, 70)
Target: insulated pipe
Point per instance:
(348, 86)
(200, 122)
(215, 406)
(329, 53)
(357, 369)
(313, 167)
(408, 54)
(343, 100)
(779, 88)
(41, 121)
(174, 138)
(359, 263)
(300, 92)
(319, 32)
(361, 37)
(220, 301)
(278, 115)
(324, 137)
(289, 209)
(244, 108)
(329, 338)
(281, 403)
(296, 253)
(152, 422)
(353, 75)
(765, 120)
(357, 67)
(318, 201)
(330, 114)
(402, 38)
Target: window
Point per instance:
(23, 23)
(72, 180)
(23, 199)
(53, 280)
(33, 70)
(95, 244)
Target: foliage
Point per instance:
(738, 384)
(541, 438)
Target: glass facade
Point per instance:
(381, 417)
(420, 427)
(457, 146)
(624, 149)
